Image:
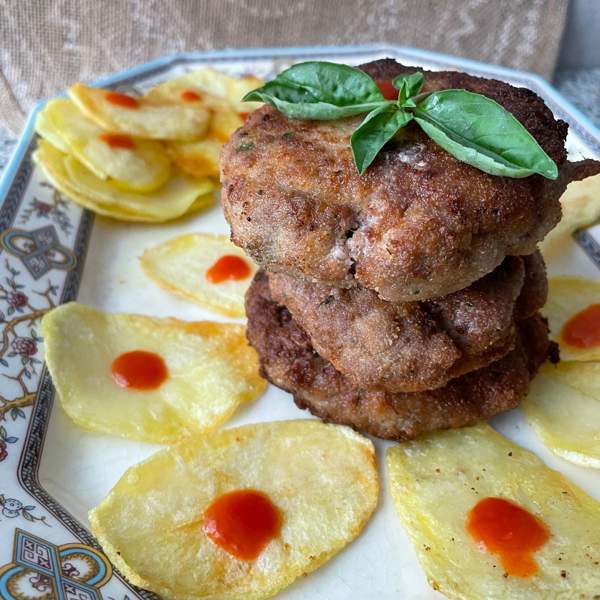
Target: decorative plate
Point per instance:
(52, 473)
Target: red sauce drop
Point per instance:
(190, 96)
(510, 531)
(228, 268)
(139, 370)
(386, 87)
(122, 100)
(242, 522)
(118, 140)
(583, 329)
(244, 115)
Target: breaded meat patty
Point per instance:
(289, 360)
(419, 224)
(415, 346)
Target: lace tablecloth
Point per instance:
(582, 88)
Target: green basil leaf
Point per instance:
(477, 130)
(320, 90)
(378, 127)
(408, 85)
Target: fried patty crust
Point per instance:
(289, 361)
(383, 344)
(419, 224)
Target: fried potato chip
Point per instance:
(568, 296)
(580, 208)
(132, 164)
(563, 406)
(209, 84)
(44, 128)
(223, 124)
(180, 195)
(200, 159)
(437, 480)
(141, 117)
(104, 210)
(171, 201)
(322, 479)
(117, 213)
(210, 371)
(181, 264)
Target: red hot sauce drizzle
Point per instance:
(190, 96)
(118, 140)
(228, 268)
(582, 330)
(139, 370)
(510, 531)
(242, 522)
(122, 100)
(386, 87)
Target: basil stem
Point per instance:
(408, 86)
(378, 128)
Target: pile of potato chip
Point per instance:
(150, 158)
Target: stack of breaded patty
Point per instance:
(406, 299)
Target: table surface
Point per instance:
(581, 87)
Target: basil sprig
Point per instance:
(320, 90)
(473, 128)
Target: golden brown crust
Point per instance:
(415, 346)
(535, 287)
(289, 361)
(419, 224)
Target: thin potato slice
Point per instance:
(117, 213)
(105, 210)
(580, 208)
(223, 124)
(211, 371)
(568, 296)
(563, 406)
(215, 84)
(154, 120)
(322, 478)
(142, 168)
(170, 201)
(200, 159)
(179, 265)
(437, 480)
(176, 198)
(46, 129)
(225, 118)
